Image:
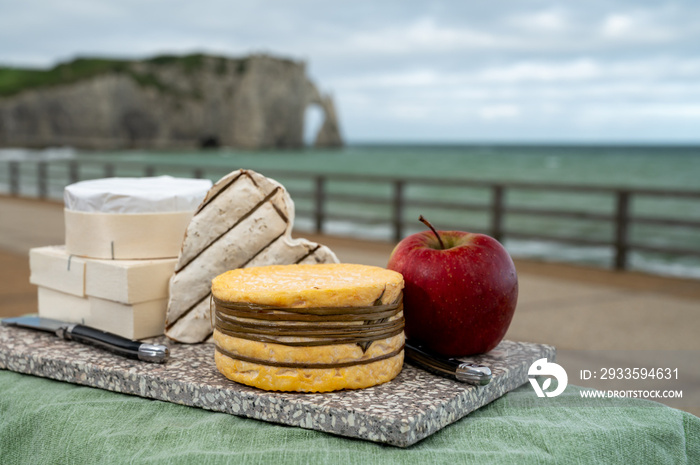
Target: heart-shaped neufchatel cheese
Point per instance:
(245, 220)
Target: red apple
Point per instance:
(460, 290)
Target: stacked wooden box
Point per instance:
(125, 297)
(123, 237)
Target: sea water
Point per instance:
(670, 167)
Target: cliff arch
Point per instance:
(313, 120)
(328, 135)
(254, 102)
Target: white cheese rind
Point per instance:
(157, 194)
(233, 251)
(212, 222)
(245, 220)
(193, 327)
(320, 255)
(52, 267)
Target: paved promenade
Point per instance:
(582, 311)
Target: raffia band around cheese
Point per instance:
(262, 323)
(311, 328)
(378, 358)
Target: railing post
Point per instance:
(198, 173)
(497, 212)
(14, 178)
(73, 172)
(621, 229)
(398, 210)
(42, 188)
(319, 203)
(150, 171)
(109, 170)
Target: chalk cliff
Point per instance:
(168, 102)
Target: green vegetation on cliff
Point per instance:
(16, 80)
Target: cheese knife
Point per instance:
(470, 373)
(156, 353)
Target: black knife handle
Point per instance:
(431, 361)
(466, 372)
(108, 341)
(116, 344)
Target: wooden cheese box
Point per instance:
(125, 297)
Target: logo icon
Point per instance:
(544, 368)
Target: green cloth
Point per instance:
(45, 421)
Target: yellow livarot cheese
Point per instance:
(329, 285)
(276, 360)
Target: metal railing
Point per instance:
(318, 196)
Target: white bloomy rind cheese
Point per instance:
(245, 220)
(130, 218)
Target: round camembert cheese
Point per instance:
(130, 218)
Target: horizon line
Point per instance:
(524, 143)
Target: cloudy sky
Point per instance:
(419, 71)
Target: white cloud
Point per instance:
(641, 26)
(408, 111)
(593, 76)
(494, 112)
(617, 25)
(422, 35)
(639, 113)
(551, 20)
(583, 69)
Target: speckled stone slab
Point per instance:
(413, 406)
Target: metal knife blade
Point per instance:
(470, 373)
(35, 322)
(156, 353)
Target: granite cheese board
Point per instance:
(413, 406)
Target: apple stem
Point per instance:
(427, 223)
